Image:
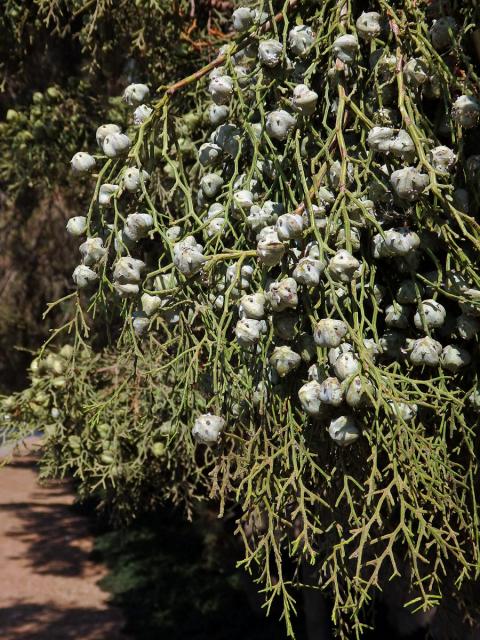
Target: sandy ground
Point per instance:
(48, 583)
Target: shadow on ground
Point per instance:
(25, 621)
(51, 529)
(48, 579)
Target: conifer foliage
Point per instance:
(282, 247)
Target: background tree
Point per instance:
(62, 67)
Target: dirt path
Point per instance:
(48, 583)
